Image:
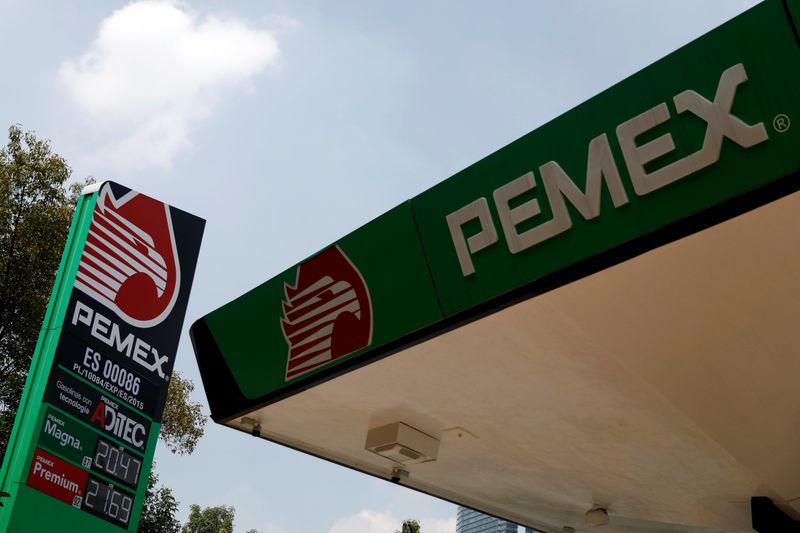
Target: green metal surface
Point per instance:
(771, 61)
(701, 135)
(21, 443)
(61, 434)
(389, 257)
(793, 6)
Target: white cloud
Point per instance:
(282, 21)
(366, 522)
(154, 71)
(271, 528)
(440, 526)
(385, 522)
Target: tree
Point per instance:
(36, 208)
(160, 506)
(217, 519)
(409, 526)
(35, 213)
(181, 428)
(183, 421)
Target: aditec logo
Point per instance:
(130, 261)
(327, 313)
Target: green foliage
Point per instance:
(183, 420)
(181, 427)
(210, 520)
(409, 526)
(158, 512)
(35, 214)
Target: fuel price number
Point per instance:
(117, 462)
(104, 500)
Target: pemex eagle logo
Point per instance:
(130, 260)
(327, 314)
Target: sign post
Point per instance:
(86, 429)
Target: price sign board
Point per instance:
(85, 434)
(101, 411)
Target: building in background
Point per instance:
(471, 521)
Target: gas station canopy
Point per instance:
(601, 314)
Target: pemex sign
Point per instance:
(696, 138)
(602, 172)
(83, 442)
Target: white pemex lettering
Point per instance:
(602, 168)
(108, 332)
(54, 478)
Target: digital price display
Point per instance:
(105, 501)
(117, 462)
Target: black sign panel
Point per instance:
(117, 462)
(119, 376)
(100, 411)
(108, 502)
(130, 295)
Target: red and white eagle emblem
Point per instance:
(130, 261)
(327, 313)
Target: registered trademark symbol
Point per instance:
(781, 123)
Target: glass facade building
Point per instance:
(471, 521)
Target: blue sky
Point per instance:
(287, 125)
